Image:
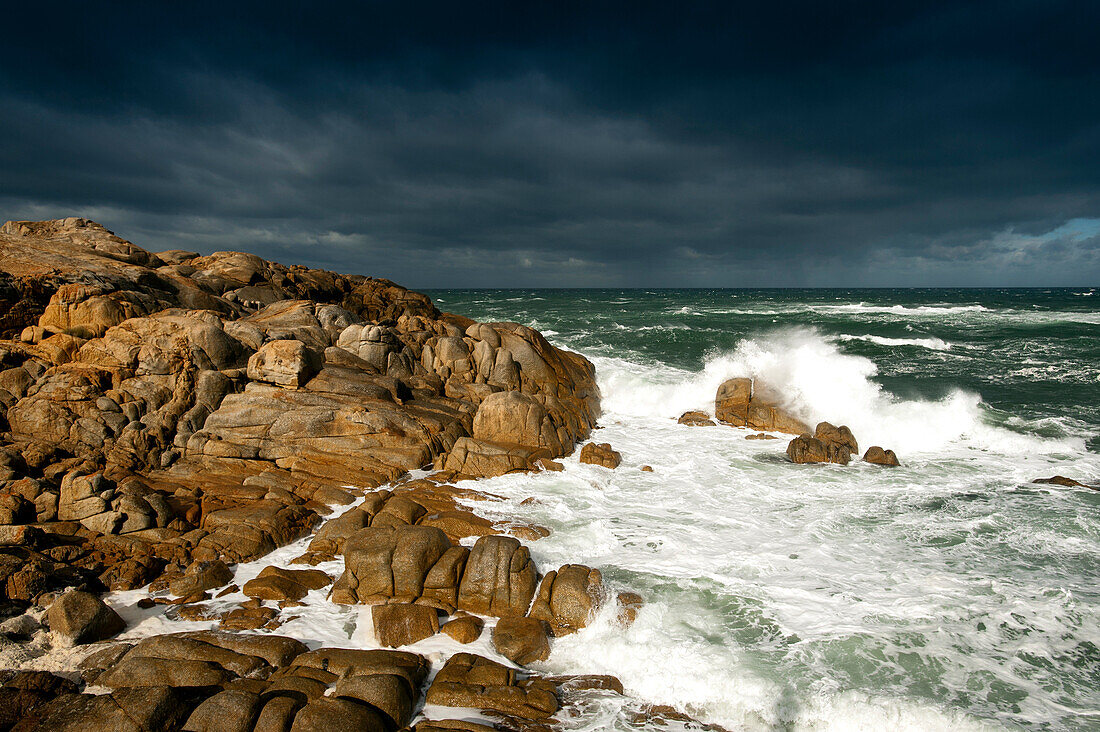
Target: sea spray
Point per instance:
(949, 593)
(817, 381)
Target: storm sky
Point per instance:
(572, 144)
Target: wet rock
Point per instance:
(402, 624)
(829, 444)
(841, 436)
(81, 617)
(325, 714)
(486, 459)
(696, 419)
(628, 604)
(600, 454)
(1064, 482)
(201, 576)
(248, 617)
(388, 693)
(27, 691)
(474, 682)
(278, 584)
(568, 598)
(522, 640)
(465, 629)
(743, 402)
(227, 711)
(142, 671)
(499, 578)
(878, 456)
(587, 682)
(135, 709)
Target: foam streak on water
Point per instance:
(950, 593)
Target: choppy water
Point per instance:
(949, 593)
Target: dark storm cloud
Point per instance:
(560, 144)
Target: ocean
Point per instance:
(949, 593)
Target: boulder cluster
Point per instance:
(745, 402)
(166, 416)
(213, 681)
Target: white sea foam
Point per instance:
(818, 382)
(922, 310)
(799, 597)
(935, 344)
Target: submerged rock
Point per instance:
(1065, 482)
(696, 419)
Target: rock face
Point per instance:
(744, 402)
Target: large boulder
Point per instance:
(401, 624)
(399, 564)
(474, 682)
(568, 598)
(840, 436)
(878, 456)
(485, 459)
(284, 363)
(282, 585)
(515, 418)
(522, 640)
(499, 578)
(81, 617)
(743, 402)
(600, 453)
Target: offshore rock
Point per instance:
(600, 454)
(744, 402)
(878, 456)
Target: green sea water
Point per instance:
(949, 593)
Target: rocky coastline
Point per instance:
(169, 418)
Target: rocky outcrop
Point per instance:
(522, 640)
(467, 680)
(213, 407)
(828, 444)
(744, 402)
(167, 416)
